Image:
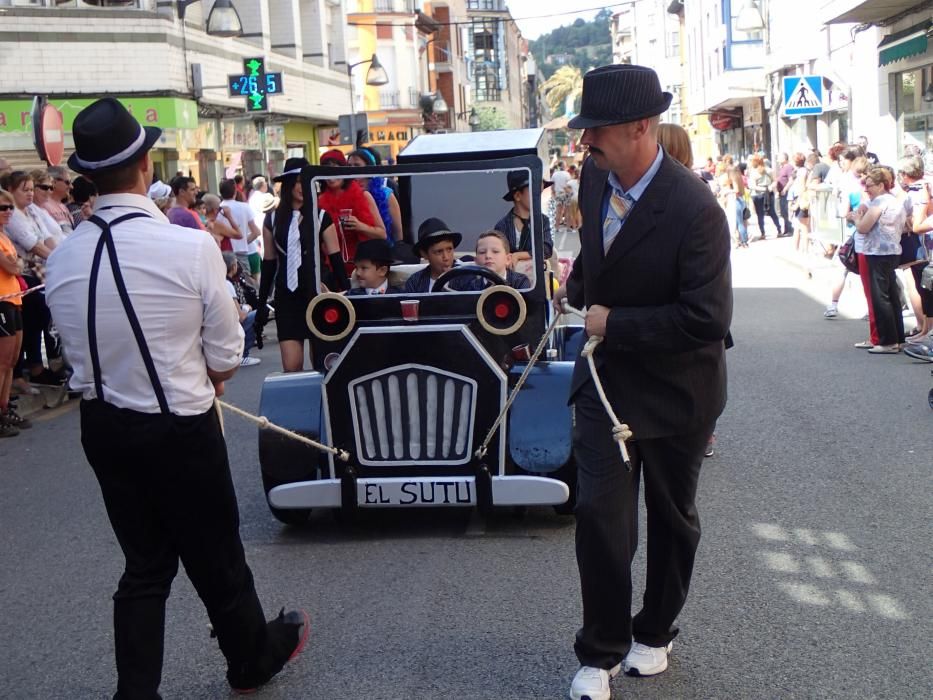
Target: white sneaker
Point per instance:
(831, 312)
(646, 661)
(250, 361)
(592, 683)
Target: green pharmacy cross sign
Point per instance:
(255, 84)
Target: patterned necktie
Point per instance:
(621, 206)
(293, 252)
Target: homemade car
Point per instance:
(412, 397)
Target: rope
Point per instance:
(23, 293)
(481, 452)
(620, 431)
(264, 422)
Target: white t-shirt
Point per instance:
(242, 214)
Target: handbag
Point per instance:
(746, 213)
(926, 277)
(847, 255)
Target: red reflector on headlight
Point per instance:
(331, 315)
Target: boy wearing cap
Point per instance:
(373, 260)
(437, 244)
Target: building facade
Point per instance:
(496, 69)
(174, 75)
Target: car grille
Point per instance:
(413, 414)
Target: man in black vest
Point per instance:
(654, 274)
(148, 424)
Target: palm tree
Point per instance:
(567, 82)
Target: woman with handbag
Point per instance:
(879, 226)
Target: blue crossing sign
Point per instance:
(803, 95)
(255, 84)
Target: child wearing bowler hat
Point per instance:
(438, 245)
(373, 260)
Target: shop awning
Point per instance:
(907, 42)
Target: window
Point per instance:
(383, 31)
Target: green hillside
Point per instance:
(582, 44)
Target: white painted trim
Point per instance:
(388, 330)
(323, 493)
(528, 491)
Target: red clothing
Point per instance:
(354, 198)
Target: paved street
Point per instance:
(812, 580)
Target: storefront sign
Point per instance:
(275, 137)
(240, 135)
(753, 113)
(202, 138)
(165, 112)
(722, 121)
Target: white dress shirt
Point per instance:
(242, 214)
(175, 278)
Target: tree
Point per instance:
(490, 119)
(567, 81)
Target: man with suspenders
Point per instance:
(151, 334)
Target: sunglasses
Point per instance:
(47, 188)
(6, 207)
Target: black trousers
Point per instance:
(36, 325)
(168, 491)
(764, 203)
(785, 214)
(607, 532)
(885, 298)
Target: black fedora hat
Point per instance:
(433, 230)
(376, 250)
(107, 136)
(618, 94)
(517, 180)
(292, 167)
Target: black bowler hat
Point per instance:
(433, 230)
(517, 181)
(375, 250)
(618, 94)
(293, 167)
(107, 136)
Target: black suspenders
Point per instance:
(106, 239)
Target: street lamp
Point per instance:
(376, 75)
(222, 21)
(749, 18)
(472, 118)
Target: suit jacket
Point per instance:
(667, 280)
(361, 291)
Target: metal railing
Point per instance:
(389, 99)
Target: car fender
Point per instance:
(540, 421)
(292, 401)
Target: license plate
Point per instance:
(416, 492)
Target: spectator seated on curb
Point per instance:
(242, 293)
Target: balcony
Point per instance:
(487, 6)
(389, 99)
(400, 7)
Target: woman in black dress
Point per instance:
(295, 284)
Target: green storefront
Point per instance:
(171, 114)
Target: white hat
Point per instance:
(159, 190)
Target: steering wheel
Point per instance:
(464, 271)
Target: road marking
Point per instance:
(804, 592)
(770, 532)
(779, 561)
(849, 600)
(838, 540)
(857, 573)
(886, 606)
(805, 536)
(820, 567)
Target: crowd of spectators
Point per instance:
(882, 214)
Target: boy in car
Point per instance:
(492, 252)
(436, 244)
(373, 260)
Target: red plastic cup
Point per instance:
(410, 310)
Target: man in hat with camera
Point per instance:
(654, 274)
(152, 336)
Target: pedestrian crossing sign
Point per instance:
(803, 95)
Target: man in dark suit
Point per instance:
(654, 274)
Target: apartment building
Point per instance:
(171, 73)
(496, 70)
